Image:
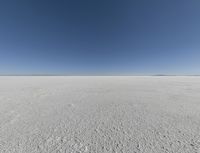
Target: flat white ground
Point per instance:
(99, 114)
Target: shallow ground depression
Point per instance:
(99, 114)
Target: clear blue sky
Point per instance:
(100, 36)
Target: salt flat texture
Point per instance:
(99, 114)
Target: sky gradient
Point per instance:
(66, 37)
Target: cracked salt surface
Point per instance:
(99, 114)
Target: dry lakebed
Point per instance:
(99, 114)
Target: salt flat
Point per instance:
(55, 114)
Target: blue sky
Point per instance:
(100, 37)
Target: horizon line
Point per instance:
(99, 75)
